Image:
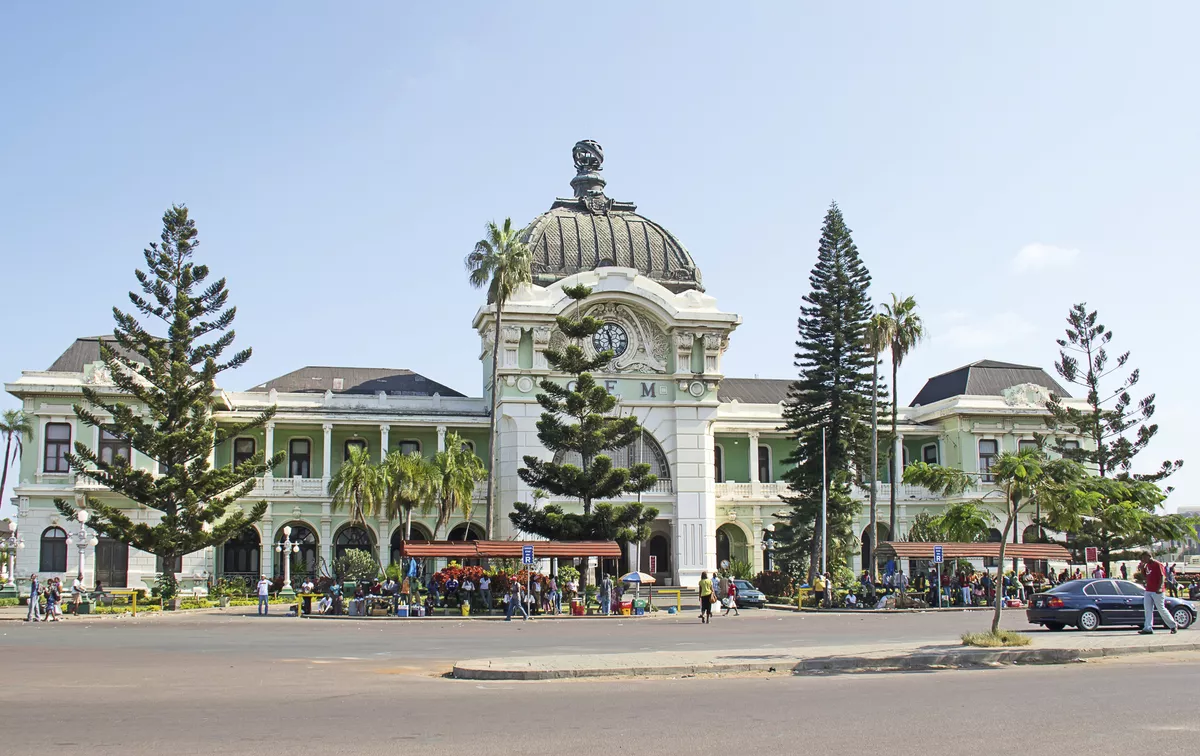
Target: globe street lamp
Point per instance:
(83, 539)
(11, 542)
(286, 548)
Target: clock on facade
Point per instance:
(611, 337)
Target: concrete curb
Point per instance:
(957, 658)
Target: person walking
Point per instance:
(53, 596)
(605, 595)
(706, 598)
(35, 611)
(519, 594)
(1172, 582)
(731, 600)
(264, 594)
(1153, 600)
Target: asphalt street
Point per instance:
(244, 685)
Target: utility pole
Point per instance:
(824, 505)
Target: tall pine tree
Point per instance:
(833, 393)
(595, 430)
(170, 391)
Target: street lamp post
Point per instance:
(83, 539)
(11, 543)
(286, 548)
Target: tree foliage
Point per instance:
(903, 329)
(501, 262)
(357, 486)
(14, 426)
(1117, 426)
(832, 393)
(578, 419)
(456, 470)
(168, 393)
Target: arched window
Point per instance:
(993, 537)
(354, 443)
(242, 554)
(419, 533)
(718, 464)
(53, 550)
(644, 450)
(352, 537)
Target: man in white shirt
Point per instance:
(264, 593)
(485, 590)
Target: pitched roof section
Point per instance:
(84, 351)
(753, 390)
(984, 378)
(352, 380)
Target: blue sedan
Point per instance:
(1088, 604)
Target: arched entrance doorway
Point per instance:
(465, 531)
(241, 556)
(732, 544)
(419, 533)
(304, 563)
(1035, 534)
(883, 533)
(658, 547)
(993, 537)
(353, 537)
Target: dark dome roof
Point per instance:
(590, 231)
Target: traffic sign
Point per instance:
(937, 555)
(653, 564)
(527, 555)
(1091, 554)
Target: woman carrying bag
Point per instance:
(706, 598)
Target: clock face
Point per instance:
(611, 337)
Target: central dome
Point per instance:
(590, 231)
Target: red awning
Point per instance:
(909, 550)
(510, 549)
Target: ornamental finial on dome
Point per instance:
(588, 184)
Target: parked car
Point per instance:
(748, 595)
(1089, 604)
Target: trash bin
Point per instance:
(576, 608)
(466, 609)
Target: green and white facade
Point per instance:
(715, 442)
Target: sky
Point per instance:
(999, 162)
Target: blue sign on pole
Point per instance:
(526, 555)
(937, 554)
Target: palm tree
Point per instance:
(500, 262)
(410, 482)
(14, 426)
(904, 329)
(457, 470)
(878, 338)
(357, 486)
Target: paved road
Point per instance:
(186, 698)
(433, 643)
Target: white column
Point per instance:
(384, 430)
(266, 553)
(270, 450)
(327, 453)
(898, 464)
(41, 455)
(941, 449)
(755, 483)
(441, 431)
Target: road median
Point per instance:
(1058, 649)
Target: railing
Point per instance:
(307, 487)
(737, 490)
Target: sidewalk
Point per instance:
(1047, 648)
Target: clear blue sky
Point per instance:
(340, 159)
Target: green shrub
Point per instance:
(10, 602)
(775, 583)
(993, 640)
(356, 564)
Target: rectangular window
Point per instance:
(764, 464)
(114, 450)
(243, 450)
(929, 454)
(1070, 445)
(178, 564)
(354, 443)
(408, 447)
(988, 450)
(298, 458)
(58, 443)
(1027, 444)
